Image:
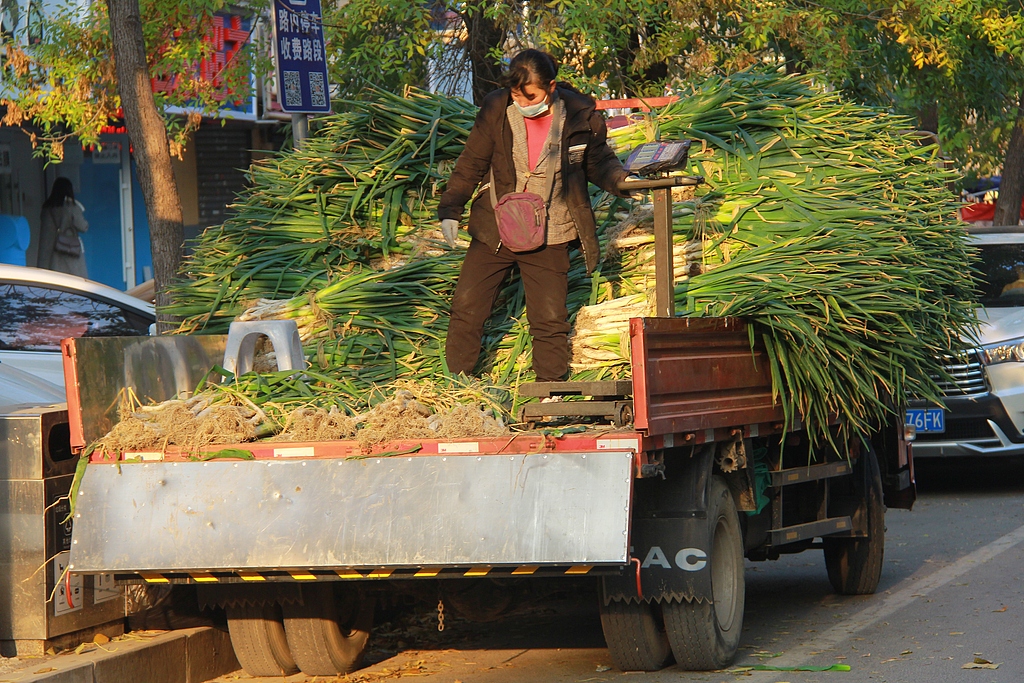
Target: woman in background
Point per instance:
(62, 219)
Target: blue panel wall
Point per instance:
(100, 193)
(143, 252)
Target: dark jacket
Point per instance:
(490, 146)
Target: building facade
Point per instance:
(210, 174)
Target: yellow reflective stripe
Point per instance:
(155, 578)
(580, 569)
(348, 573)
(519, 571)
(302, 576)
(380, 573)
(204, 577)
(482, 571)
(251, 576)
(429, 571)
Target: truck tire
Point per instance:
(259, 642)
(854, 565)
(705, 635)
(635, 635)
(327, 634)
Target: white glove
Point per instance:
(637, 195)
(450, 230)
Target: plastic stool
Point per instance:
(283, 336)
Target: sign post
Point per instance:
(301, 61)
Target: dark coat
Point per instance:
(490, 146)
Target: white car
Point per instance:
(40, 307)
(984, 412)
(19, 388)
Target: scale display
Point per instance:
(657, 157)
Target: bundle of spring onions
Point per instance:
(824, 222)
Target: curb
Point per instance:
(190, 655)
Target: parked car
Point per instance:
(20, 388)
(984, 412)
(40, 307)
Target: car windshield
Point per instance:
(1002, 275)
(36, 318)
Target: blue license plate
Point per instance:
(932, 420)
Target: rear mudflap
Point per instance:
(670, 536)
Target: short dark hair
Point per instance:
(530, 67)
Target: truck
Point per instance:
(663, 485)
(696, 470)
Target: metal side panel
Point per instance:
(553, 508)
(98, 369)
(692, 374)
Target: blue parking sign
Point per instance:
(301, 57)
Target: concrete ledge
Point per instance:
(208, 654)
(162, 661)
(189, 655)
(52, 672)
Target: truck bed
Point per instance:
(541, 501)
(692, 379)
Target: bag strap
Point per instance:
(67, 220)
(553, 146)
(490, 187)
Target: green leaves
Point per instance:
(823, 226)
(837, 238)
(64, 85)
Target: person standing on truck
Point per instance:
(538, 136)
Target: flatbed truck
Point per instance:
(681, 472)
(694, 468)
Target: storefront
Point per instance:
(209, 175)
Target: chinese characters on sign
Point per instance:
(300, 56)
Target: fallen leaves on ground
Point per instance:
(412, 668)
(766, 667)
(980, 663)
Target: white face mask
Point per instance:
(533, 110)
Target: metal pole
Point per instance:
(300, 129)
(664, 271)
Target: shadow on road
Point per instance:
(565, 618)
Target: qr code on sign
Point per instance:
(292, 89)
(317, 96)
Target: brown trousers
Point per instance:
(545, 280)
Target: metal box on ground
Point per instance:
(39, 605)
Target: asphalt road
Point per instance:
(951, 591)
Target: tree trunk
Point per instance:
(483, 36)
(1011, 188)
(149, 141)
